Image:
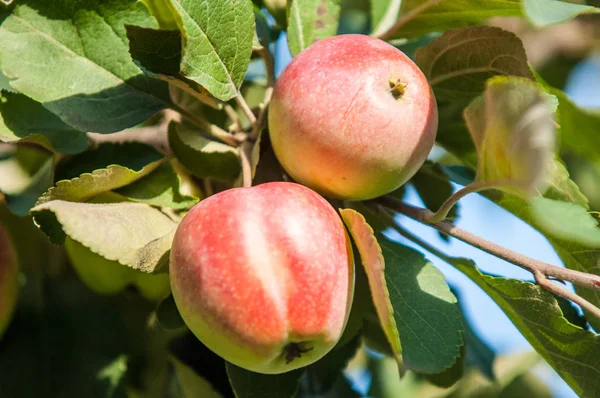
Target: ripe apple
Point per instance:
(352, 117)
(9, 283)
(109, 277)
(264, 276)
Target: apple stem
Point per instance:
(397, 88)
(478, 186)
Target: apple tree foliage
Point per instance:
(118, 116)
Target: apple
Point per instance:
(352, 117)
(264, 276)
(9, 280)
(110, 277)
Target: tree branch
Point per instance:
(245, 150)
(214, 131)
(541, 279)
(270, 70)
(239, 98)
(583, 279)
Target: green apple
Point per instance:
(110, 277)
(9, 283)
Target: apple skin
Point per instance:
(264, 276)
(9, 280)
(108, 277)
(335, 125)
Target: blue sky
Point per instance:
(482, 217)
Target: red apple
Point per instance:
(352, 117)
(264, 276)
(9, 283)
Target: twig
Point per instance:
(208, 189)
(239, 98)
(245, 150)
(263, 107)
(214, 131)
(541, 279)
(478, 186)
(547, 284)
(233, 116)
(583, 279)
(404, 19)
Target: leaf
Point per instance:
(158, 54)
(434, 15)
(458, 63)
(310, 21)
(108, 167)
(570, 350)
(578, 126)
(192, 384)
(81, 48)
(374, 263)
(513, 131)
(550, 12)
(25, 174)
(247, 384)
(23, 119)
(217, 43)
(203, 157)
(160, 188)
(566, 221)
(133, 234)
(383, 15)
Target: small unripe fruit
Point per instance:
(264, 276)
(9, 283)
(110, 277)
(352, 117)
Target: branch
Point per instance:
(404, 19)
(239, 98)
(262, 114)
(214, 131)
(583, 279)
(541, 279)
(478, 186)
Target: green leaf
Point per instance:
(158, 53)
(458, 63)
(23, 119)
(162, 12)
(82, 49)
(426, 312)
(217, 43)
(578, 127)
(108, 167)
(160, 188)
(192, 384)
(374, 264)
(310, 21)
(434, 15)
(513, 131)
(26, 172)
(203, 157)
(383, 15)
(569, 349)
(566, 221)
(247, 384)
(133, 234)
(550, 12)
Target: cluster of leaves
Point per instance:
(120, 115)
